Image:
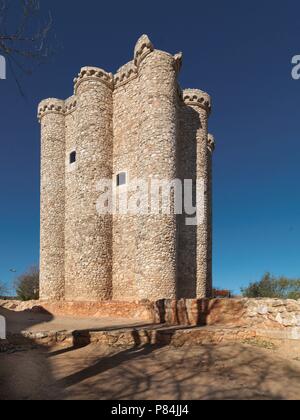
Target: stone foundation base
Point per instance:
(144, 310)
(140, 337)
(267, 318)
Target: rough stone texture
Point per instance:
(265, 313)
(156, 262)
(126, 129)
(272, 318)
(144, 310)
(194, 250)
(209, 212)
(71, 198)
(91, 233)
(52, 245)
(133, 337)
(208, 321)
(139, 122)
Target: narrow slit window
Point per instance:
(72, 157)
(121, 179)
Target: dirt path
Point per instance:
(207, 372)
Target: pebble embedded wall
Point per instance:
(141, 123)
(52, 247)
(211, 148)
(125, 146)
(94, 148)
(187, 169)
(71, 198)
(156, 262)
(200, 103)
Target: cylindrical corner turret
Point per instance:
(52, 119)
(91, 244)
(138, 133)
(156, 268)
(211, 148)
(198, 109)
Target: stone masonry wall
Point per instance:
(93, 231)
(194, 249)
(156, 262)
(52, 244)
(200, 103)
(71, 198)
(273, 319)
(209, 224)
(137, 121)
(126, 131)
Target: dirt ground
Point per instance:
(27, 321)
(234, 371)
(255, 370)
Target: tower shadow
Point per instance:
(189, 124)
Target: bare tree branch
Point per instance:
(24, 39)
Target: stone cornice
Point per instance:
(57, 106)
(196, 97)
(94, 74)
(51, 105)
(70, 105)
(125, 74)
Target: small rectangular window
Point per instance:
(121, 179)
(72, 157)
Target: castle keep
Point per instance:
(137, 123)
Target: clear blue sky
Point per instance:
(238, 51)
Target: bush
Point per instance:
(27, 285)
(273, 287)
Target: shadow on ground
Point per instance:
(208, 372)
(162, 372)
(230, 372)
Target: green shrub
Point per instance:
(273, 287)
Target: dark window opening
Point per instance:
(121, 179)
(72, 157)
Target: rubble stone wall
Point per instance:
(140, 122)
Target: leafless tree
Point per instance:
(27, 284)
(24, 36)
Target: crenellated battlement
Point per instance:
(57, 106)
(70, 105)
(143, 47)
(125, 74)
(94, 74)
(196, 97)
(51, 105)
(134, 125)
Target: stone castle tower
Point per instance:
(137, 123)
